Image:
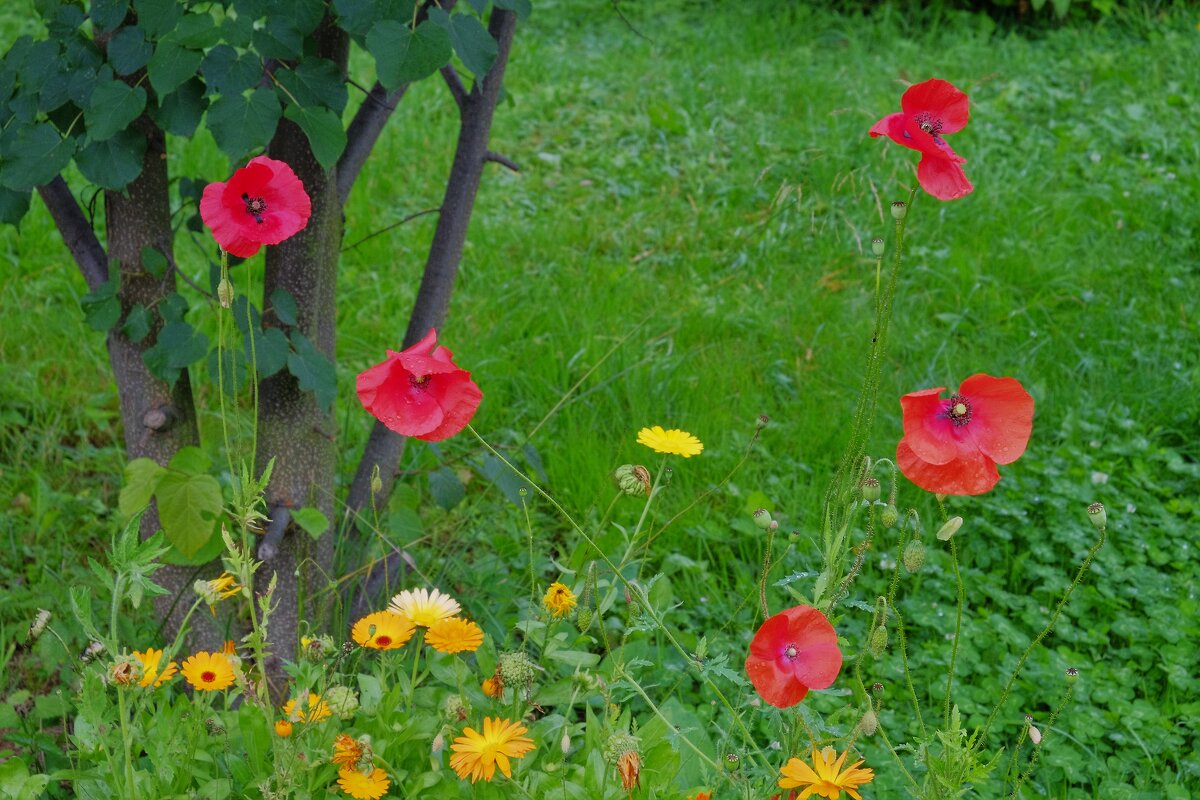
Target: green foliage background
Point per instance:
(703, 185)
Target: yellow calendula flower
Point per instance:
(364, 786)
(478, 754)
(382, 630)
(454, 635)
(674, 441)
(825, 777)
(559, 600)
(424, 607)
(150, 673)
(315, 711)
(208, 672)
(283, 728)
(347, 751)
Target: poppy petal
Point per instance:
(1001, 416)
(893, 127)
(941, 99)
(943, 178)
(965, 475)
(927, 429)
(774, 684)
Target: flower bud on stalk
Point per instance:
(37, 626)
(899, 210)
(869, 723)
(762, 519)
(890, 516)
(914, 555)
(878, 642)
(633, 480)
(871, 490)
(877, 690)
(732, 762)
(565, 744)
(1072, 674)
(225, 293)
(949, 528)
(1098, 516)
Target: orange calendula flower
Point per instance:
(283, 728)
(208, 672)
(559, 600)
(150, 674)
(454, 635)
(315, 711)
(629, 766)
(347, 751)
(478, 754)
(364, 786)
(825, 777)
(383, 630)
(493, 686)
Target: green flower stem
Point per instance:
(419, 639)
(1037, 750)
(958, 614)
(902, 640)
(900, 763)
(221, 326)
(253, 375)
(632, 588)
(127, 743)
(671, 726)
(1083, 568)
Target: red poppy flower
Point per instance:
(263, 203)
(794, 651)
(420, 392)
(931, 110)
(953, 446)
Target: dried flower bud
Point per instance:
(225, 293)
(877, 246)
(869, 723)
(762, 519)
(91, 651)
(878, 642)
(565, 744)
(633, 480)
(899, 210)
(1035, 735)
(1098, 516)
(125, 671)
(37, 626)
(914, 555)
(950, 528)
(871, 490)
(890, 516)
(455, 709)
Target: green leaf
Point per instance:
(102, 307)
(37, 156)
(114, 106)
(226, 72)
(270, 351)
(178, 346)
(196, 30)
(474, 45)
(157, 16)
(311, 521)
(403, 56)
(128, 50)
(107, 15)
(313, 371)
(153, 261)
(171, 65)
(324, 130)
(523, 7)
(137, 324)
(284, 306)
(13, 205)
(241, 124)
(17, 784)
(315, 82)
(141, 479)
(189, 507)
(446, 488)
(113, 163)
(180, 111)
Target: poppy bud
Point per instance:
(1097, 515)
(879, 641)
(877, 246)
(376, 480)
(869, 723)
(949, 528)
(899, 210)
(871, 490)
(914, 555)
(890, 516)
(1072, 674)
(565, 744)
(225, 293)
(583, 619)
(762, 518)
(761, 421)
(732, 761)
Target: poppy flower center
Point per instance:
(959, 411)
(418, 381)
(383, 641)
(929, 123)
(791, 651)
(255, 207)
(208, 677)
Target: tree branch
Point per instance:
(363, 132)
(502, 160)
(76, 231)
(455, 84)
(383, 447)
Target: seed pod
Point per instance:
(1098, 516)
(899, 210)
(871, 490)
(877, 246)
(762, 519)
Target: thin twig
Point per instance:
(409, 218)
(503, 160)
(455, 84)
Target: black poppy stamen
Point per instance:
(929, 123)
(418, 381)
(255, 207)
(959, 411)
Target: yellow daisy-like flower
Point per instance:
(346, 751)
(478, 755)
(316, 710)
(825, 777)
(559, 600)
(382, 630)
(493, 686)
(424, 607)
(150, 674)
(208, 672)
(283, 728)
(674, 441)
(454, 635)
(361, 786)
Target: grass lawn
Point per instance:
(688, 244)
